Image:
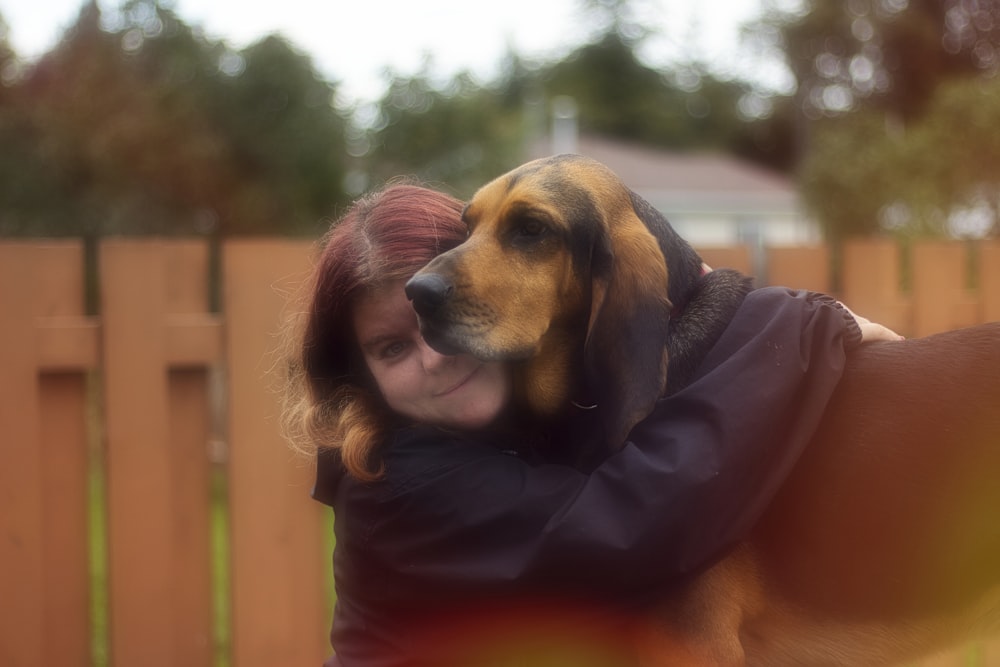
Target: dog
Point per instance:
(881, 547)
(566, 269)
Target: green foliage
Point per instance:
(285, 140)
(456, 138)
(135, 123)
(894, 100)
(150, 128)
(847, 177)
(886, 54)
(463, 133)
(938, 175)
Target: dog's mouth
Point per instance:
(457, 338)
(441, 339)
(451, 324)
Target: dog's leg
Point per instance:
(700, 624)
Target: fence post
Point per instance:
(989, 281)
(800, 267)
(158, 492)
(871, 282)
(46, 346)
(940, 299)
(728, 257)
(21, 549)
(278, 578)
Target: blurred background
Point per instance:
(163, 117)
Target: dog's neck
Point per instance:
(542, 380)
(704, 315)
(678, 307)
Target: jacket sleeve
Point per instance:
(690, 482)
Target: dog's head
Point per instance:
(557, 263)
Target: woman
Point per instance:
(447, 518)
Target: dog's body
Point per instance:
(881, 546)
(884, 543)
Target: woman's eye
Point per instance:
(392, 350)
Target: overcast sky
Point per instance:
(352, 42)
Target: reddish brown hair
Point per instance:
(384, 237)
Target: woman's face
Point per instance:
(417, 382)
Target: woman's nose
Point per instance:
(431, 358)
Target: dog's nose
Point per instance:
(427, 292)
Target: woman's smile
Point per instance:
(457, 391)
(461, 383)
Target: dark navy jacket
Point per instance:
(460, 525)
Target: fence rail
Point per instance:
(150, 513)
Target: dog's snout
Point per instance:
(427, 292)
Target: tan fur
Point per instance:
(513, 305)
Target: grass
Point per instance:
(97, 513)
(98, 556)
(98, 553)
(219, 546)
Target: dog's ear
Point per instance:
(708, 302)
(683, 262)
(625, 352)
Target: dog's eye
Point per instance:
(530, 227)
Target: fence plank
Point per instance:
(44, 618)
(804, 267)
(278, 567)
(59, 303)
(65, 478)
(190, 421)
(133, 285)
(732, 257)
(989, 281)
(67, 343)
(871, 282)
(22, 629)
(158, 535)
(193, 342)
(940, 299)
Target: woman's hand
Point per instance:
(871, 330)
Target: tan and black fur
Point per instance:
(561, 266)
(883, 545)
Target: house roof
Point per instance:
(696, 180)
(645, 168)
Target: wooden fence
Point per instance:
(150, 513)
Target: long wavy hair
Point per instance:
(330, 400)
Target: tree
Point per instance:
(283, 134)
(618, 96)
(881, 124)
(885, 54)
(455, 136)
(464, 133)
(147, 127)
(936, 176)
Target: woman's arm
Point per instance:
(459, 518)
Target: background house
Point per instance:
(711, 199)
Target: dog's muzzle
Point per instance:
(428, 293)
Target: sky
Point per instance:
(352, 42)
